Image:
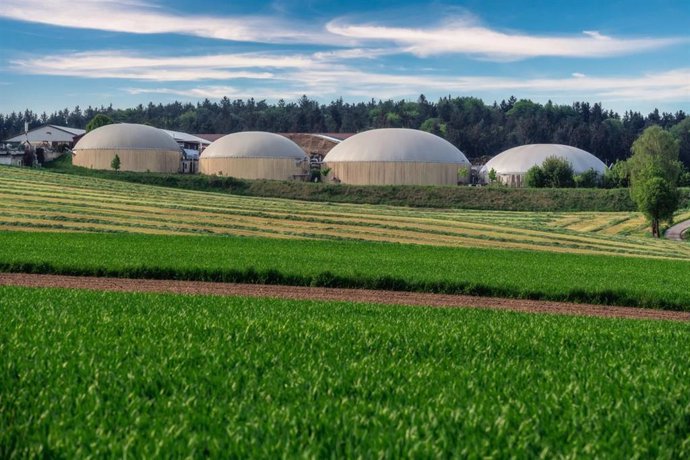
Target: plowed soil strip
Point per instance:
(331, 294)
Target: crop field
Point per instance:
(630, 281)
(44, 201)
(86, 374)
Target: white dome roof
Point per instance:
(253, 144)
(127, 136)
(396, 145)
(519, 160)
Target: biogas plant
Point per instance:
(388, 156)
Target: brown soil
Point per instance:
(347, 295)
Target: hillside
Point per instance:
(44, 201)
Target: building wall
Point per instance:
(255, 168)
(392, 173)
(512, 180)
(167, 161)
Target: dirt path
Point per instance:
(676, 232)
(348, 295)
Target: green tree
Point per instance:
(655, 151)
(657, 199)
(492, 176)
(535, 177)
(558, 172)
(464, 174)
(654, 171)
(618, 175)
(98, 121)
(681, 132)
(588, 179)
(115, 164)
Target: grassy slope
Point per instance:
(103, 375)
(37, 200)
(487, 198)
(526, 274)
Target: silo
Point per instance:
(255, 155)
(511, 166)
(139, 147)
(397, 156)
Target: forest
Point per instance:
(478, 129)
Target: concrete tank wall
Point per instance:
(255, 168)
(395, 173)
(164, 161)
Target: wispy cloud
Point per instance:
(133, 66)
(218, 92)
(467, 36)
(460, 35)
(325, 75)
(671, 85)
(328, 84)
(145, 17)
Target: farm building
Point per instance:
(139, 147)
(397, 156)
(49, 135)
(512, 165)
(255, 155)
(48, 141)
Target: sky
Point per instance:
(625, 54)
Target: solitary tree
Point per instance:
(98, 121)
(657, 199)
(654, 171)
(115, 164)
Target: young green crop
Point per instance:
(522, 274)
(86, 374)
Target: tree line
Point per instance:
(476, 128)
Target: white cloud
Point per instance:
(328, 84)
(671, 85)
(466, 36)
(144, 17)
(217, 92)
(460, 35)
(133, 66)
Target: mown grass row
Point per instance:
(486, 272)
(92, 375)
(35, 198)
(486, 198)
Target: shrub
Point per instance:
(115, 164)
(588, 179)
(558, 173)
(535, 177)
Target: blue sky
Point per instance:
(625, 54)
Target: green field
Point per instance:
(42, 201)
(512, 273)
(87, 374)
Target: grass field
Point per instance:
(87, 374)
(511, 273)
(43, 201)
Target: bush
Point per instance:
(588, 179)
(554, 172)
(618, 175)
(558, 173)
(535, 177)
